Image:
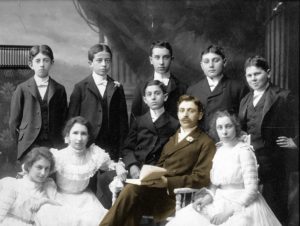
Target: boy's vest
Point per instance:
(254, 116)
(44, 132)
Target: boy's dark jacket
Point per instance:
(85, 101)
(25, 115)
(146, 139)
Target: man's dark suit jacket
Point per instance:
(278, 119)
(226, 96)
(85, 101)
(25, 114)
(146, 139)
(175, 89)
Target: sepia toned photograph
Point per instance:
(149, 112)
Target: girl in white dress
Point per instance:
(233, 198)
(20, 199)
(74, 166)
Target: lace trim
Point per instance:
(95, 159)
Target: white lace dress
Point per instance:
(80, 207)
(234, 185)
(17, 197)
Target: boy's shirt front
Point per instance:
(42, 85)
(162, 78)
(101, 82)
(213, 82)
(156, 114)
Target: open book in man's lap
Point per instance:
(148, 174)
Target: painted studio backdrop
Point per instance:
(70, 27)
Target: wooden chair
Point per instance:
(185, 196)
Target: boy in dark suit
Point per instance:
(38, 106)
(269, 114)
(101, 100)
(187, 157)
(161, 56)
(216, 91)
(149, 132)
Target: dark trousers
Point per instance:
(135, 201)
(275, 193)
(272, 175)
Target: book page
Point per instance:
(148, 173)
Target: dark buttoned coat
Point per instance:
(85, 101)
(226, 96)
(146, 139)
(279, 118)
(25, 114)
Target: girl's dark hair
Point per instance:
(44, 49)
(36, 154)
(214, 49)
(233, 118)
(82, 121)
(257, 61)
(160, 44)
(190, 98)
(155, 83)
(98, 48)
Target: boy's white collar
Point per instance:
(155, 114)
(99, 78)
(40, 80)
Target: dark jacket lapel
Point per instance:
(110, 89)
(91, 86)
(147, 121)
(244, 105)
(271, 97)
(32, 87)
(172, 84)
(219, 88)
(184, 143)
(52, 89)
(162, 120)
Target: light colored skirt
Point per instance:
(81, 209)
(257, 213)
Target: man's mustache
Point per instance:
(185, 118)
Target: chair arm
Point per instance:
(185, 196)
(185, 190)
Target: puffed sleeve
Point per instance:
(101, 158)
(250, 175)
(7, 196)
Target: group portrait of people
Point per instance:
(223, 136)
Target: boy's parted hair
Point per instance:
(155, 83)
(233, 118)
(214, 49)
(161, 44)
(98, 48)
(257, 61)
(191, 98)
(36, 154)
(44, 49)
(82, 121)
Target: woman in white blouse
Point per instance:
(74, 166)
(233, 198)
(21, 198)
